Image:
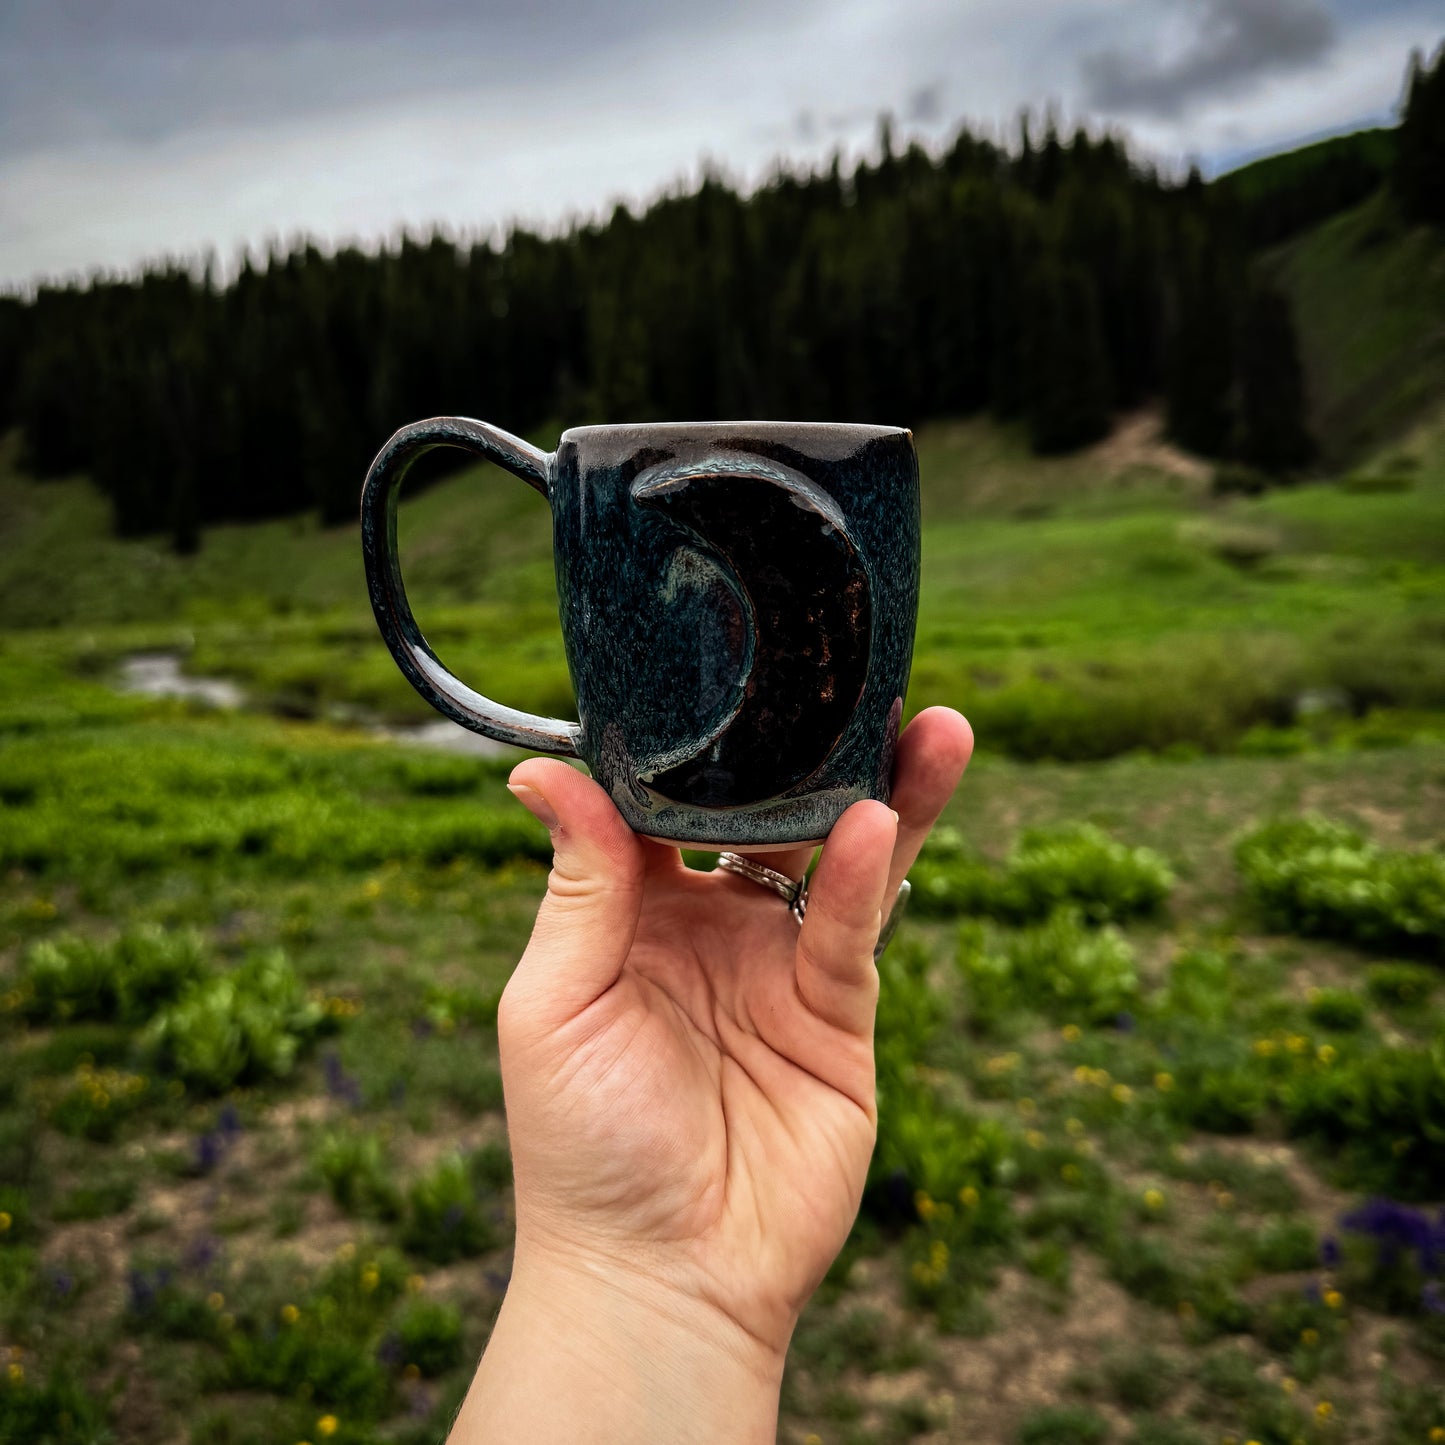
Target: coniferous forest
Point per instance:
(1055, 282)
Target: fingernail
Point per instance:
(535, 804)
(896, 818)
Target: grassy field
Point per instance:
(1162, 1153)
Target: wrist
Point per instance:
(585, 1349)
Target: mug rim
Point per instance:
(866, 429)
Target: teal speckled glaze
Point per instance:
(737, 600)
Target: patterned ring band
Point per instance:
(795, 894)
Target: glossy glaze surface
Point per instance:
(737, 602)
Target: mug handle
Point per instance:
(417, 661)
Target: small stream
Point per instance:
(158, 674)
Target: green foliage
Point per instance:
(1337, 1008)
(1419, 174)
(246, 1025)
(358, 1172)
(1063, 1425)
(1060, 968)
(1313, 876)
(128, 978)
(429, 1334)
(1048, 868)
(447, 1218)
(1400, 985)
(59, 1411)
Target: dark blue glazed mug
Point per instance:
(738, 603)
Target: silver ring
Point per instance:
(793, 893)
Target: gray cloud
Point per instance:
(1234, 45)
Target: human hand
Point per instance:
(689, 1085)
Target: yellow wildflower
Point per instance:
(1334, 1299)
(1072, 1033)
(1324, 1410)
(968, 1196)
(5, 1221)
(16, 1373)
(216, 1301)
(1027, 1108)
(1325, 1053)
(1074, 1126)
(1121, 1093)
(812, 1440)
(370, 1278)
(1071, 1173)
(1264, 1047)
(1309, 1337)
(1082, 1073)
(1224, 1199)
(923, 1203)
(1437, 1434)
(327, 1424)
(1034, 1139)
(290, 1314)
(1289, 1385)
(1296, 1043)
(372, 888)
(346, 1252)
(415, 1283)
(1164, 1082)
(1154, 1198)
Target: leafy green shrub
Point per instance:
(446, 1218)
(1074, 865)
(429, 1336)
(242, 1026)
(1382, 1114)
(1063, 1425)
(358, 1172)
(1337, 1008)
(1312, 876)
(1400, 985)
(1060, 968)
(1152, 1430)
(1284, 1245)
(69, 978)
(1200, 985)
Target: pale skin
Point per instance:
(690, 1102)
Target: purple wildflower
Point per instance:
(388, 1352)
(340, 1084)
(202, 1253)
(1329, 1251)
(228, 1121)
(210, 1150)
(1124, 1022)
(1395, 1228)
(61, 1284)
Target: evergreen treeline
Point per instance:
(1054, 283)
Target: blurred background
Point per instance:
(1161, 290)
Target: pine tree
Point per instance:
(1272, 431)
(1419, 178)
(1067, 404)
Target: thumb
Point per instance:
(588, 919)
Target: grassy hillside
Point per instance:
(1369, 305)
(1075, 608)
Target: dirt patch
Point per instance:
(1138, 441)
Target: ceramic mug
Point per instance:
(737, 602)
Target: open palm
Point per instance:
(689, 1075)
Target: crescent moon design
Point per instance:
(808, 605)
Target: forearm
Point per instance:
(583, 1354)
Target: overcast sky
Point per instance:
(131, 128)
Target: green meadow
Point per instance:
(1161, 1046)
